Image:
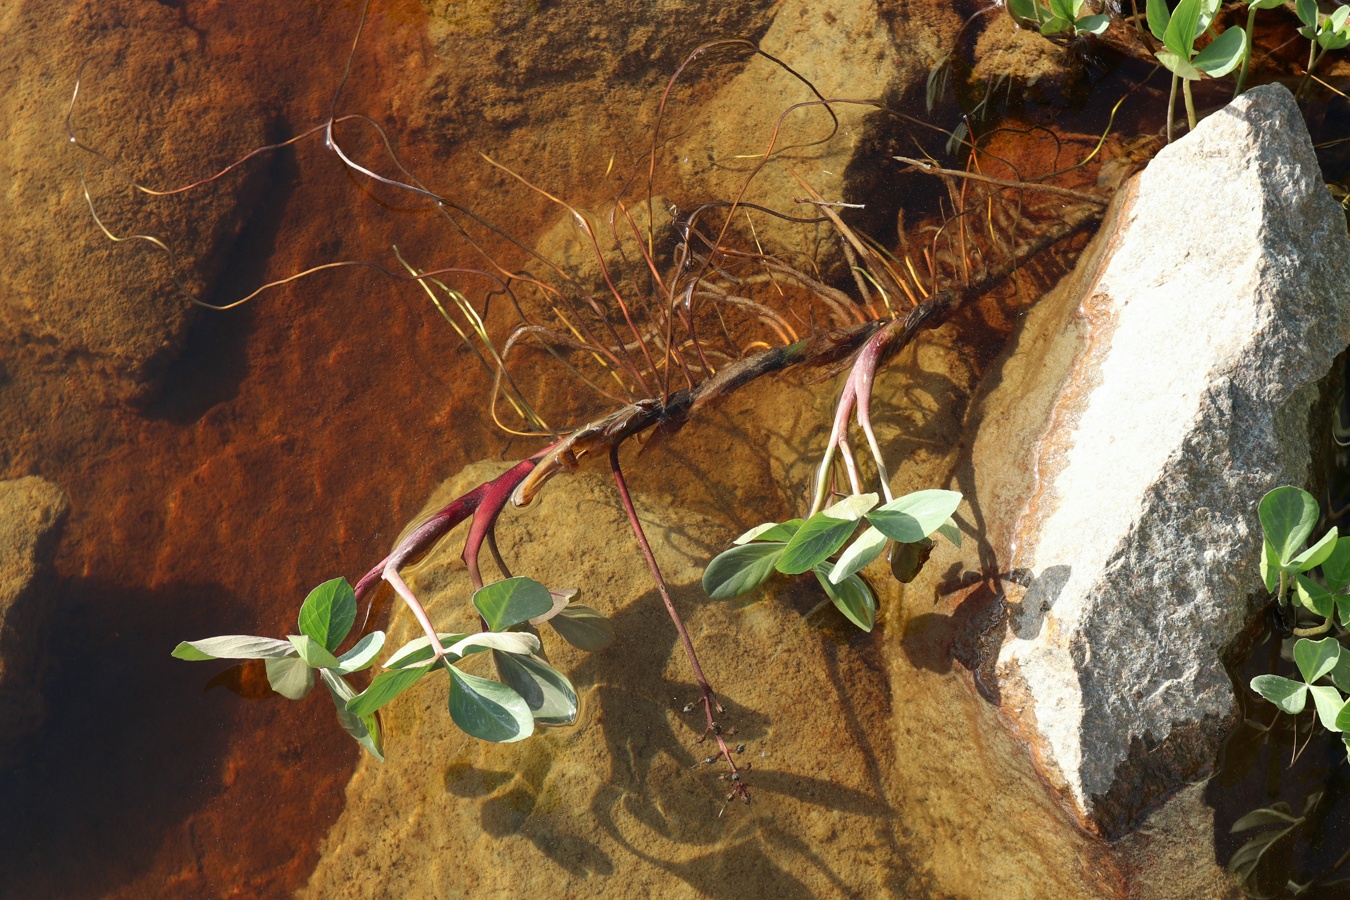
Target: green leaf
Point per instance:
(383, 688)
(869, 545)
(362, 656)
(771, 531)
(510, 602)
(851, 597)
(851, 508)
(1182, 29)
(560, 600)
(1158, 17)
(1179, 66)
(1312, 595)
(1063, 8)
(507, 641)
(1024, 10)
(1336, 21)
(1316, 658)
(1343, 610)
(1343, 720)
(1340, 673)
(291, 678)
(1093, 24)
(488, 710)
(1054, 25)
(583, 628)
(1287, 694)
(1336, 567)
(1332, 40)
(1307, 12)
(740, 569)
(1315, 555)
(1224, 53)
(417, 652)
(950, 531)
(915, 516)
(1329, 703)
(1288, 516)
(1270, 566)
(234, 646)
(1280, 814)
(312, 652)
(546, 691)
(328, 613)
(365, 731)
(817, 540)
(1265, 4)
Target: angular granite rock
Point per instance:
(1177, 393)
(32, 511)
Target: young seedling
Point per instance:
(799, 546)
(1315, 660)
(1059, 16)
(1178, 31)
(1288, 516)
(1331, 32)
(1252, 7)
(326, 617)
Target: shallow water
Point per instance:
(291, 440)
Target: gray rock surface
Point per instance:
(1177, 393)
(32, 511)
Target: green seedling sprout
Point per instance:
(1330, 32)
(1252, 7)
(1178, 31)
(1058, 17)
(1288, 516)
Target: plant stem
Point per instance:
(1247, 59)
(1190, 104)
(1317, 629)
(1313, 59)
(709, 697)
(1171, 107)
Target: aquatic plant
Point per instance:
(1059, 16)
(663, 333)
(1178, 30)
(1324, 32)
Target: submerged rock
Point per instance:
(32, 511)
(1155, 414)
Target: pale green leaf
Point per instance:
(1270, 566)
(1288, 516)
(488, 710)
(328, 613)
(817, 540)
(1183, 28)
(1289, 695)
(869, 545)
(510, 602)
(851, 508)
(1224, 53)
(1093, 24)
(1307, 12)
(583, 628)
(506, 641)
(771, 531)
(1315, 555)
(549, 694)
(1312, 595)
(312, 652)
(950, 531)
(740, 569)
(561, 598)
(361, 656)
(1158, 17)
(234, 646)
(365, 731)
(417, 652)
(1336, 567)
(851, 597)
(1179, 66)
(291, 678)
(915, 516)
(1316, 658)
(1329, 703)
(384, 688)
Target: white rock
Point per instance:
(1221, 297)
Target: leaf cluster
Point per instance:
(1288, 516)
(1330, 32)
(800, 546)
(1178, 30)
(530, 691)
(1058, 16)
